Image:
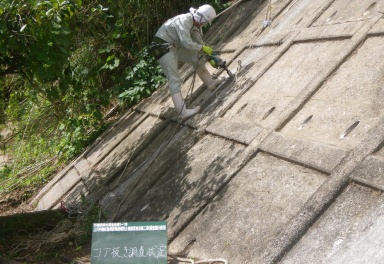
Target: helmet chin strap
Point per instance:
(197, 16)
(202, 19)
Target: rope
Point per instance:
(190, 90)
(267, 22)
(201, 261)
(224, 28)
(180, 256)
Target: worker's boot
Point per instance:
(207, 78)
(181, 109)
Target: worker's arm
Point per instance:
(183, 29)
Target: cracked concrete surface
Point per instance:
(284, 163)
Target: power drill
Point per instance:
(217, 62)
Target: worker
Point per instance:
(179, 39)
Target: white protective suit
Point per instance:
(186, 41)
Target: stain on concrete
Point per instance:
(284, 162)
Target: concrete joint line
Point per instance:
(367, 184)
(363, 32)
(316, 15)
(311, 19)
(315, 84)
(59, 177)
(293, 160)
(285, 7)
(52, 183)
(281, 50)
(82, 156)
(245, 18)
(138, 179)
(237, 54)
(104, 135)
(339, 179)
(324, 196)
(231, 7)
(306, 94)
(191, 124)
(249, 83)
(275, 57)
(221, 135)
(147, 110)
(240, 161)
(246, 85)
(253, 147)
(314, 39)
(126, 133)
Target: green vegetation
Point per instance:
(63, 65)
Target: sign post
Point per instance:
(133, 242)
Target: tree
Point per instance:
(62, 63)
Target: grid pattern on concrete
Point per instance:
(284, 164)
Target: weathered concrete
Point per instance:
(283, 163)
(59, 190)
(322, 157)
(351, 229)
(284, 80)
(325, 195)
(354, 91)
(370, 172)
(345, 11)
(188, 185)
(236, 130)
(255, 206)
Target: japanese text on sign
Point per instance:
(131, 252)
(123, 227)
(129, 243)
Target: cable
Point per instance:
(190, 90)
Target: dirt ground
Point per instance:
(69, 252)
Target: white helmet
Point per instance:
(206, 13)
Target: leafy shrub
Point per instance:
(63, 64)
(140, 80)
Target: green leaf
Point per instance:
(57, 19)
(112, 63)
(56, 25)
(111, 57)
(116, 35)
(23, 27)
(50, 11)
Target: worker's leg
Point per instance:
(190, 56)
(198, 62)
(169, 65)
(208, 79)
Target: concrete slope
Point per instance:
(284, 163)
